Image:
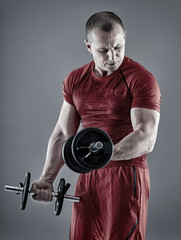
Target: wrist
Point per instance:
(117, 153)
(47, 179)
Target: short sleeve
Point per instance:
(146, 92)
(67, 89)
(72, 79)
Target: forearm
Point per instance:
(54, 161)
(133, 145)
(67, 125)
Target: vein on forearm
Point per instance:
(54, 160)
(133, 145)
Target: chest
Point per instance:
(102, 97)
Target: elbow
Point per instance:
(150, 148)
(58, 136)
(149, 139)
(63, 136)
(150, 145)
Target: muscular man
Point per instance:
(122, 98)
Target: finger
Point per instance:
(42, 195)
(36, 192)
(48, 196)
(35, 197)
(34, 188)
(39, 196)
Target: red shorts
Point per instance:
(113, 204)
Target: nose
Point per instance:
(111, 54)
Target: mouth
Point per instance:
(112, 63)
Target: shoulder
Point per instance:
(135, 69)
(137, 76)
(143, 86)
(73, 78)
(81, 71)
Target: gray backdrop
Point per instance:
(41, 42)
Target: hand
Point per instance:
(43, 191)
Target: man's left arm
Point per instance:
(142, 139)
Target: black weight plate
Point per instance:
(69, 159)
(61, 190)
(60, 197)
(85, 138)
(25, 191)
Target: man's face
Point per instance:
(108, 49)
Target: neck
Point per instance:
(100, 73)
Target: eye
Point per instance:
(102, 50)
(117, 47)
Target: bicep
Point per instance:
(145, 120)
(68, 121)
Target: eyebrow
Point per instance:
(105, 48)
(102, 48)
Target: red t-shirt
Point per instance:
(105, 102)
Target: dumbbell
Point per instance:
(59, 195)
(89, 149)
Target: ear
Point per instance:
(125, 35)
(88, 46)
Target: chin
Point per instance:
(113, 67)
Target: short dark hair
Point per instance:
(103, 20)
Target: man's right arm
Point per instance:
(67, 125)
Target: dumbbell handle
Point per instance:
(18, 190)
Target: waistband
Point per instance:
(138, 162)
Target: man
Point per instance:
(121, 97)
